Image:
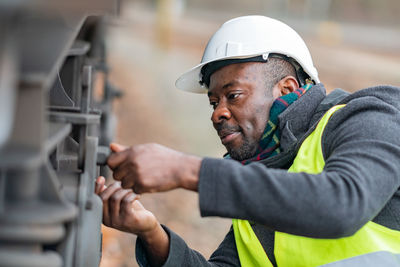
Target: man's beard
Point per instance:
(245, 151)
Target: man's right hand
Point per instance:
(150, 168)
(122, 211)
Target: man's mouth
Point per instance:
(227, 136)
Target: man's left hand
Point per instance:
(153, 168)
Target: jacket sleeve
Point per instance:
(181, 255)
(361, 174)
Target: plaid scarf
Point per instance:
(269, 144)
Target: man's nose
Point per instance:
(220, 113)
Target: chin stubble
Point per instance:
(245, 151)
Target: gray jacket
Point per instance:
(360, 181)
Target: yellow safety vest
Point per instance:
(298, 251)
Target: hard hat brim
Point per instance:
(190, 80)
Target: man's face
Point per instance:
(241, 101)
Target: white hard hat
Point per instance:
(246, 37)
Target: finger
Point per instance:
(117, 158)
(105, 195)
(126, 202)
(100, 185)
(121, 171)
(117, 147)
(127, 182)
(115, 203)
(136, 205)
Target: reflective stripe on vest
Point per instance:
(291, 250)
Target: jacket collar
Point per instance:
(295, 121)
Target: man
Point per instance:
(309, 179)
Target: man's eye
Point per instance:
(233, 96)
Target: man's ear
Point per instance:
(285, 86)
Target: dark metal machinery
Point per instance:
(54, 130)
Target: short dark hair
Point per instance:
(276, 69)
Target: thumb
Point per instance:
(118, 155)
(117, 147)
(100, 185)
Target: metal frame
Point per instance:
(49, 141)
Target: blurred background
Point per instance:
(354, 44)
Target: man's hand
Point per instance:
(153, 168)
(122, 211)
